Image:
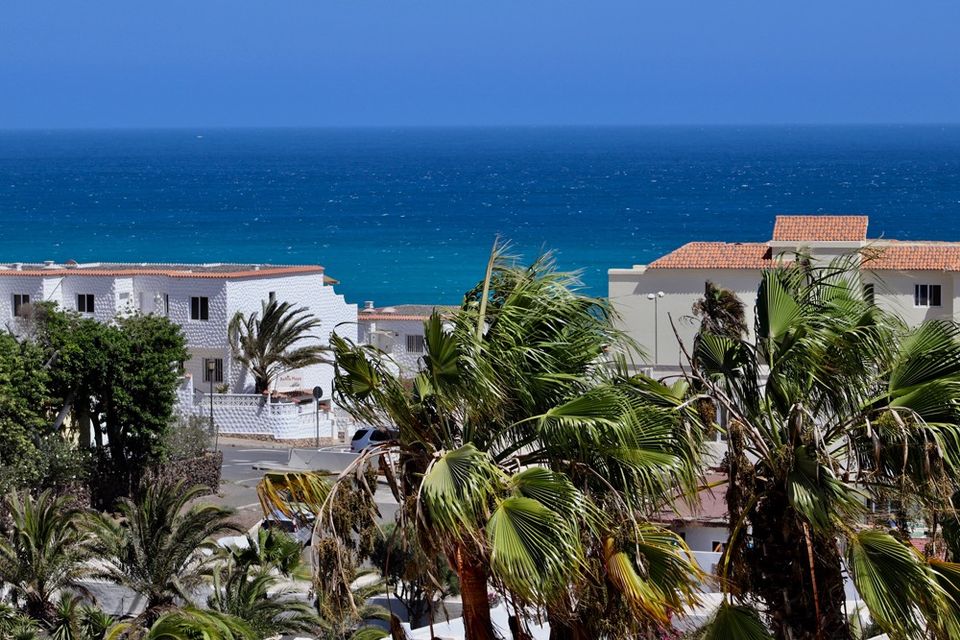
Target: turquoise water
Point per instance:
(409, 215)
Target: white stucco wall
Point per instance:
(322, 301)
(249, 415)
(893, 291)
(390, 336)
(32, 287)
(104, 295)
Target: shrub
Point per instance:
(188, 437)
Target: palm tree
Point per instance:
(185, 624)
(721, 312)
(834, 401)
(159, 548)
(271, 343)
(247, 585)
(16, 625)
(44, 552)
(528, 458)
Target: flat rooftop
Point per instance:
(403, 312)
(222, 270)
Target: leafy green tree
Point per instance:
(43, 553)
(834, 401)
(24, 400)
(529, 459)
(275, 341)
(160, 547)
(119, 382)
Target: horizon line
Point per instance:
(677, 125)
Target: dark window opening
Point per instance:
(200, 308)
(85, 302)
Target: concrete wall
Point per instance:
(701, 538)
(253, 415)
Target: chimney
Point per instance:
(368, 305)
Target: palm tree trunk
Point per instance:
(474, 576)
(798, 574)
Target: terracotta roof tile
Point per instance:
(716, 255)
(896, 256)
(820, 228)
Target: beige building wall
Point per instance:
(651, 323)
(648, 322)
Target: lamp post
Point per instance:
(656, 319)
(317, 394)
(211, 367)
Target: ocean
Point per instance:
(409, 215)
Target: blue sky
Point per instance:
(120, 63)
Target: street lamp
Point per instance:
(317, 394)
(211, 367)
(656, 319)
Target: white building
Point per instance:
(918, 280)
(398, 331)
(201, 298)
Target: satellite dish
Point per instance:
(318, 392)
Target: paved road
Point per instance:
(238, 461)
(238, 486)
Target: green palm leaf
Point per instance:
(533, 550)
(735, 622)
(893, 581)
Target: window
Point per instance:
(718, 546)
(200, 308)
(85, 302)
(868, 293)
(166, 304)
(926, 295)
(415, 344)
(272, 296)
(217, 369)
(20, 299)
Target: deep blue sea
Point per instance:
(409, 215)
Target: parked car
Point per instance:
(300, 527)
(369, 436)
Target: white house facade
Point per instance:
(918, 280)
(398, 331)
(200, 298)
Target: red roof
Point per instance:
(820, 229)
(896, 256)
(716, 255)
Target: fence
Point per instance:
(254, 415)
